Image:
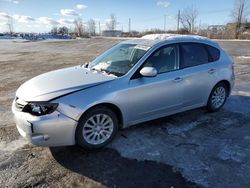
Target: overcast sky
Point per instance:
(41, 15)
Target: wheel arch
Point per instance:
(227, 84)
(111, 106)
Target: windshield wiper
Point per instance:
(111, 72)
(106, 71)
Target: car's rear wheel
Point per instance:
(96, 128)
(217, 97)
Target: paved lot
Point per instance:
(190, 149)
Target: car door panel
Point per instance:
(198, 73)
(156, 95)
(199, 83)
(153, 96)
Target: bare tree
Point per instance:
(54, 30)
(91, 27)
(10, 25)
(112, 23)
(239, 14)
(79, 27)
(188, 18)
(63, 30)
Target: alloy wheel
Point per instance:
(218, 97)
(98, 129)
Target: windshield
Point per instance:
(119, 59)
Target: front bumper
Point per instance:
(54, 129)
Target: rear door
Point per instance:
(199, 73)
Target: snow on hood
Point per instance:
(60, 82)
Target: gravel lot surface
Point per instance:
(190, 149)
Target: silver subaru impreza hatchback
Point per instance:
(135, 81)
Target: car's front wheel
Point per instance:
(217, 97)
(96, 128)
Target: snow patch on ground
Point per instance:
(154, 153)
(176, 130)
(13, 145)
(242, 93)
(234, 153)
(247, 138)
(243, 57)
(238, 103)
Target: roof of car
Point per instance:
(153, 39)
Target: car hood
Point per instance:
(60, 82)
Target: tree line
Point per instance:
(186, 23)
(81, 29)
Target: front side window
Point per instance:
(193, 54)
(119, 59)
(165, 59)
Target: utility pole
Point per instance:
(100, 29)
(129, 25)
(199, 26)
(178, 21)
(165, 20)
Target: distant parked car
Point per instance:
(133, 82)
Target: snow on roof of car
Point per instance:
(172, 36)
(152, 39)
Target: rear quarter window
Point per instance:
(214, 53)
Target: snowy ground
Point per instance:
(209, 150)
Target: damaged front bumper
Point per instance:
(54, 129)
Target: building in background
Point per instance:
(112, 33)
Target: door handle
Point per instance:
(211, 71)
(178, 79)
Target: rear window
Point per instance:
(193, 54)
(214, 53)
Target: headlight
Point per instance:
(40, 108)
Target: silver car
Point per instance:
(135, 81)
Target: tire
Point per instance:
(217, 97)
(96, 128)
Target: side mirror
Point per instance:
(148, 72)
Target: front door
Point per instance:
(152, 97)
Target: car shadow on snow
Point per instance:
(109, 168)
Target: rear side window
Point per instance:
(193, 54)
(214, 53)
